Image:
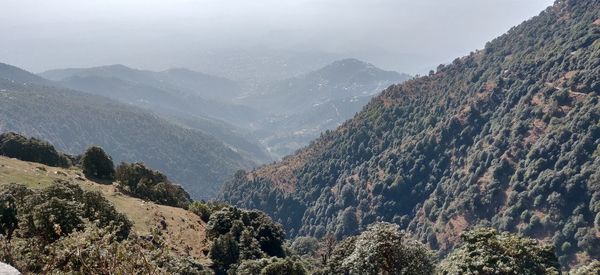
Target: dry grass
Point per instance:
(185, 232)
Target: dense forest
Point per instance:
(506, 137)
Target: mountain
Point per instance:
(73, 120)
(302, 107)
(178, 80)
(21, 76)
(507, 137)
(179, 92)
(176, 94)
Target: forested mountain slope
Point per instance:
(508, 137)
(73, 120)
(192, 99)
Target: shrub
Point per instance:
(96, 164)
(201, 209)
(31, 149)
(141, 182)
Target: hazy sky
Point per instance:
(405, 35)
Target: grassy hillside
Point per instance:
(185, 231)
(507, 137)
(73, 120)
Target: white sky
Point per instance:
(405, 35)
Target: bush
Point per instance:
(201, 209)
(98, 251)
(141, 182)
(96, 164)
(13, 145)
(484, 251)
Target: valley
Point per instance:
(264, 138)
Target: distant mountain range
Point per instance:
(185, 109)
(178, 92)
(302, 107)
(284, 114)
(73, 120)
(191, 99)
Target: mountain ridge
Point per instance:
(504, 137)
(73, 120)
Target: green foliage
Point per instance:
(97, 250)
(270, 266)
(224, 252)
(383, 249)
(242, 235)
(141, 182)
(64, 229)
(57, 211)
(96, 164)
(305, 246)
(8, 215)
(205, 209)
(484, 251)
(13, 145)
(591, 268)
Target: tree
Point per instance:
(305, 246)
(485, 251)
(384, 249)
(31, 149)
(249, 247)
(96, 164)
(52, 219)
(142, 182)
(270, 266)
(224, 252)
(8, 215)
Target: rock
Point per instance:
(6, 269)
